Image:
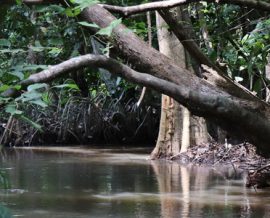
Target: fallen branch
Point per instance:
(130, 10)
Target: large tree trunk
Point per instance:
(178, 130)
(174, 123)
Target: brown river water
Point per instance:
(68, 182)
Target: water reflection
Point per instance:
(98, 185)
(203, 192)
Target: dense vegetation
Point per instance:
(90, 105)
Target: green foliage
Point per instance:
(82, 4)
(239, 39)
(12, 110)
(107, 31)
(68, 86)
(84, 23)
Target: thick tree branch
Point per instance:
(130, 10)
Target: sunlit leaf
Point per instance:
(107, 31)
(83, 23)
(238, 79)
(72, 12)
(29, 96)
(4, 88)
(36, 86)
(82, 4)
(54, 52)
(70, 86)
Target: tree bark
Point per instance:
(174, 126)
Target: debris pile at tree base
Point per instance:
(241, 157)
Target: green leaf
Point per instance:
(18, 2)
(29, 96)
(83, 23)
(54, 52)
(107, 31)
(40, 102)
(4, 88)
(36, 86)
(11, 109)
(72, 12)
(82, 4)
(70, 86)
(18, 74)
(12, 51)
(32, 97)
(17, 87)
(32, 67)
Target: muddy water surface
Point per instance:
(121, 183)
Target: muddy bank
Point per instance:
(241, 157)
